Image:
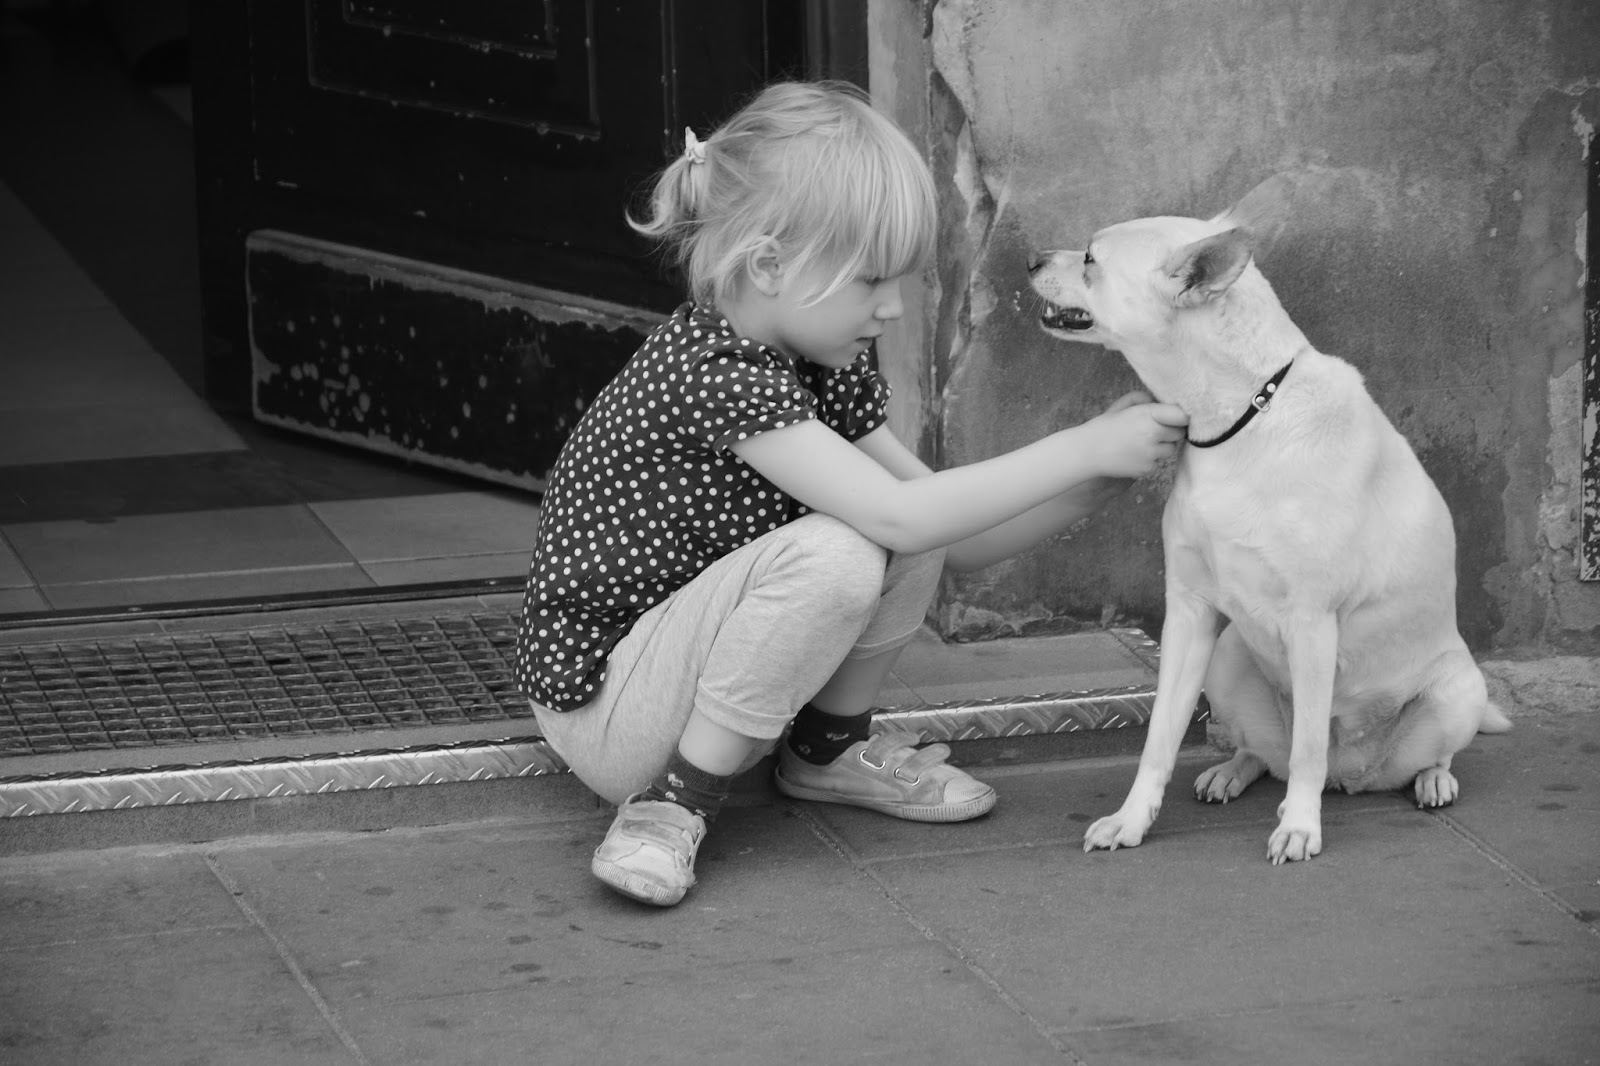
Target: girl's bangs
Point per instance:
(902, 239)
(874, 236)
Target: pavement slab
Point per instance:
(1544, 818)
(218, 995)
(134, 959)
(823, 934)
(1462, 1027)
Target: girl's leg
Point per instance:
(838, 715)
(909, 584)
(706, 682)
(740, 648)
(703, 685)
(832, 757)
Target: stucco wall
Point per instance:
(1439, 248)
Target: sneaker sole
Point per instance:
(635, 887)
(941, 812)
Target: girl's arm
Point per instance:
(1027, 529)
(1011, 537)
(825, 472)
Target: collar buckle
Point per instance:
(1258, 403)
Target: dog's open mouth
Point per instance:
(1068, 318)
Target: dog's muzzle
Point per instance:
(1067, 318)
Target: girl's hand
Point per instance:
(1134, 435)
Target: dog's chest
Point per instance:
(1271, 560)
(1247, 558)
(1231, 549)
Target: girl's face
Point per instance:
(834, 330)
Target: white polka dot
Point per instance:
(665, 420)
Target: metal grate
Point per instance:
(352, 677)
(342, 677)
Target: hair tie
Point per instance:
(693, 149)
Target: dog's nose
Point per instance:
(1036, 260)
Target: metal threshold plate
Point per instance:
(166, 716)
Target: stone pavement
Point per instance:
(829, 935)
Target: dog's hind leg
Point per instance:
(1437, 723)
(1226, 780)
(1253, 712)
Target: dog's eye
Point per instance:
(1088, 258)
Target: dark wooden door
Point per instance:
(412, 210)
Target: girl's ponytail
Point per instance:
(809, 165)
(674, 200)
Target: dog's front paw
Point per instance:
(1121, 830)
(1435, 787)
(1294, 843)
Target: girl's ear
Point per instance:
(765, 267)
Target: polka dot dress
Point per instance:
(646, 494)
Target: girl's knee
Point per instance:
(841, 548)
(920, 571)
(845, 570)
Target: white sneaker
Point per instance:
(649, 850)
(888, 774)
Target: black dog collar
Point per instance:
(1258, 403)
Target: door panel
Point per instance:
(527, 64)
(389, 186)
(462, 149)
(475, 374)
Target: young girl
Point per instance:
(732, 541)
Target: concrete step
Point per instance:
(196, 727)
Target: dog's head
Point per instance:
(1150, 285)
(1137, 280)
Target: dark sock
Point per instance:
(820, 738)
(685, 784)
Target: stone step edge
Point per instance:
(1095, 712)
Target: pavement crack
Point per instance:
(863, 869)
(1512, 870)
(329, 1015)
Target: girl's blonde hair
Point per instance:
(810, 165)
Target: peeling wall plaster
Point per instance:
(1443, 143)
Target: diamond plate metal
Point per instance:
(1019, 716)
(155, 786)
(173, 694)
(111, 790)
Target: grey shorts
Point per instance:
(748, 642)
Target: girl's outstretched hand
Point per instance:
(1135, 434)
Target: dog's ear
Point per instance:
(1204, 270)
(1265, 210)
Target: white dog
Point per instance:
(1310, 561)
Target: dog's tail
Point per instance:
(1494, 720)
